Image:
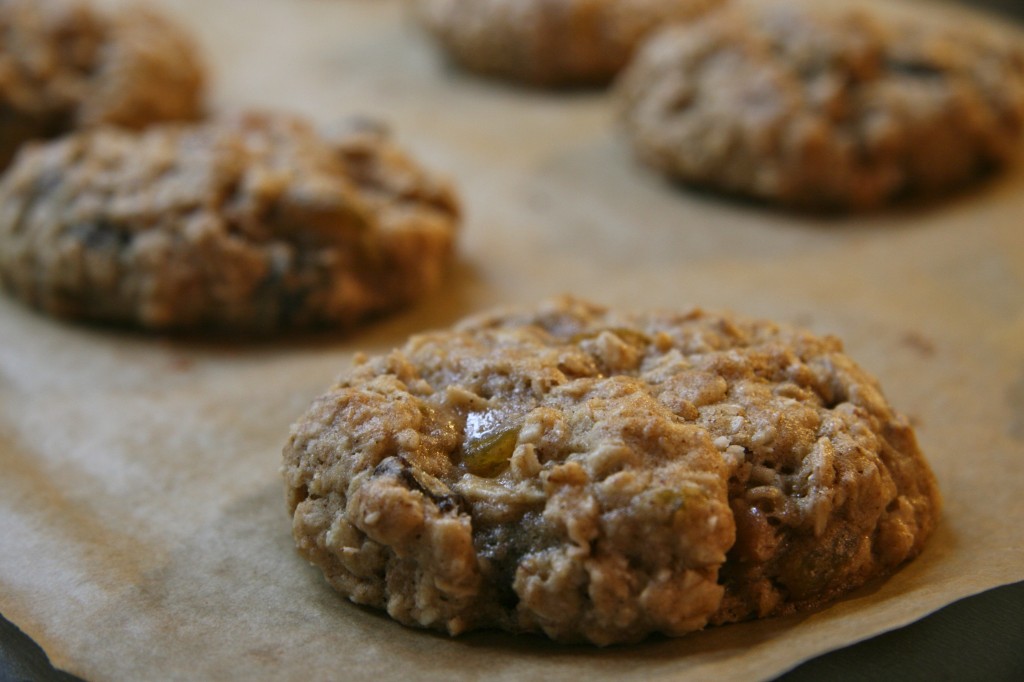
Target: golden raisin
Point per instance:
(488, 456)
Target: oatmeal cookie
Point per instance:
(549, 42)
(253, 223)
(66, 65)
(838, 110)
(599, 476)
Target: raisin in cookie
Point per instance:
(549, 42)
(253, 223)
(66, 65)
(833, 110)
(601, 477)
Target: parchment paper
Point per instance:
(143, 532)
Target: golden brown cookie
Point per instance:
(600, 476)
(254, 223)
(824, 108)
(66, 65)
(549, 42)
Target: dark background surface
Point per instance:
(979, 638)
(1013, 8)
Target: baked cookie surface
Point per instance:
(253, 223)
(600, 476)
(549, 42)
(824, 109)
(66, 65)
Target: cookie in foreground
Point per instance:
(601, 476)
(66, 64)
(825, 108)
(253, 223)
(549, 42)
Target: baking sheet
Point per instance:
(142, 519)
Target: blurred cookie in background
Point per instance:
(250, 224)
(825, 109)
(65, 64)
(549, 42)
